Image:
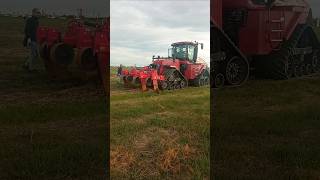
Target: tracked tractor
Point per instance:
(180, 69)
(265, 38)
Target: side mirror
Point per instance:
(201, 45)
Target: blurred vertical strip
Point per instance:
(107, 90)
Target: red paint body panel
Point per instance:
(193, 70)
(257, 35)
(42, 34)
(54, 36)
(84, 38)
(255, 38)
(216, 12)
(48, 35)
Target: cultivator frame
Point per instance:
(147, 78)
(90, 47)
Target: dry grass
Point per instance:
(167, 134)
(121, 160)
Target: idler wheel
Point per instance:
(163, 85)
(183, 84)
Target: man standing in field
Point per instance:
(30, 40)
(119, 70)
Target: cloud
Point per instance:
(141, 29)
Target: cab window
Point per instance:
(191, 53)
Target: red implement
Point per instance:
(177, 71)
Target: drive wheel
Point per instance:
(237, 71)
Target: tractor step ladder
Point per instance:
(277, 29)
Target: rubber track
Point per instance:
(275, 65)
(168, 72)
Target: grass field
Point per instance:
(267, 130)
(57, 130)
(163, 136)
(49, 130)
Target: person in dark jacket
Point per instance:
(120, 70)
(30, 40)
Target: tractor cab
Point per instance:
(185, 51)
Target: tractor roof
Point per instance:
(184, 43)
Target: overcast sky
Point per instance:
(141, 29)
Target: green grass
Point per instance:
(147, 128)
(268, 130)
(49, 129)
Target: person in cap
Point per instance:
(30, 40)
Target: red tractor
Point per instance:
(86, 47)
(268, 38)
(181, 68)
